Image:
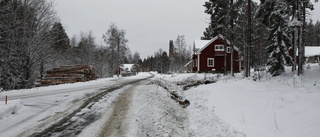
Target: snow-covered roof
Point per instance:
(198, 44)
(206, 43)
(188, 63)
(127, 66)
(312, 51)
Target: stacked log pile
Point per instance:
(68, 74)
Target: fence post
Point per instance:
(6, 100)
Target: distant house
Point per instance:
(312, 54)
(128, 69)
(209, 55)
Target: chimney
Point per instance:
(171, 48)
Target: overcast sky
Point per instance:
(149, 24)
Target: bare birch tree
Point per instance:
(117, 44)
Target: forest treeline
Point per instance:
(33, 40)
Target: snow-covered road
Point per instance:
(36, 110)
(142, 109)
(116, 123)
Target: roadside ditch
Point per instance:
(174, 87)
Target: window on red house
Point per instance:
(210, 62)
(218, 48)
(228, 49)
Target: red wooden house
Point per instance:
(209, 55)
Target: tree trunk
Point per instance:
(225, 58)
(295, 38)
(231, 44)
(247, 50)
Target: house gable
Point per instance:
(211, 56)
(209, 42)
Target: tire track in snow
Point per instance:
(63, 121)
(116, 124)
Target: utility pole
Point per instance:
(304, 4)
(299, 44)
(302, 16)
(232, 38)
(247, 49)
(118, 50)
(295, 36)
(225, 56)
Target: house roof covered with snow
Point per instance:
(127, 67)
(198, 44)
(202, 44)
(312, 51)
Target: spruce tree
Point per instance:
(165, 62)
(61, 42)
(275, 16)
(218, 11)
(278, 52)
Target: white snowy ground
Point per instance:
(284, 106)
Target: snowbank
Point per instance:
(13, 107)
(201, 118)
(284, 106)
(156, 114)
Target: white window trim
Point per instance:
(228, 49)
(198, 62)
(208, 59)
(218, 49)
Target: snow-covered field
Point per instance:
(284, 106)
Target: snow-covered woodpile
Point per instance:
(68, 74)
